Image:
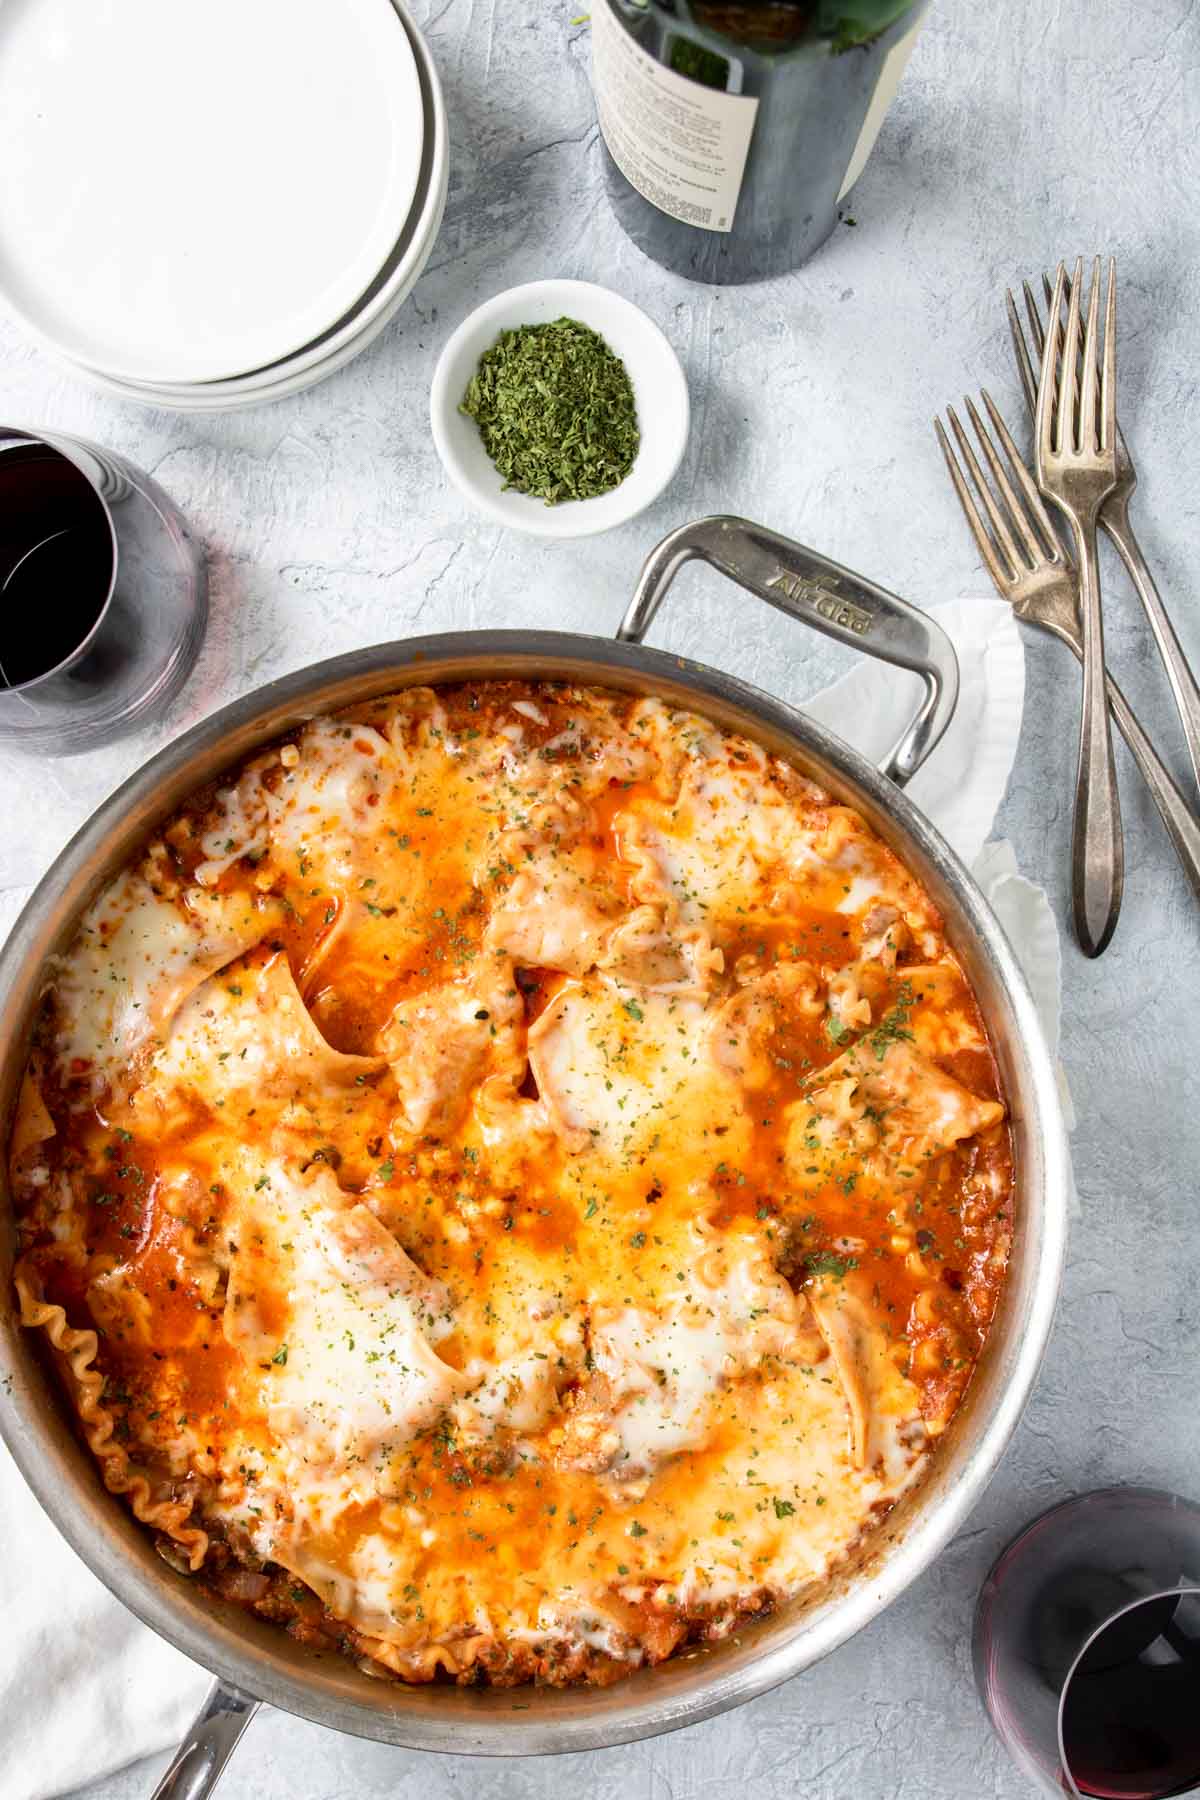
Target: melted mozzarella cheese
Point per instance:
(780, 1501)
(643, 951)
(521, 1392)
(331, 1310)
(552, 917)
(137, 957)
(614, 1064)
(327, 802)
(578, 1620)
(724, 844)
(240, 823)
(941, 1014)
(247, 1040)
(666, 1369)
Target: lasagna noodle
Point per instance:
(77, 1349)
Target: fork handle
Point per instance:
(1115, 520)
(1183, 828)
(1097, 844)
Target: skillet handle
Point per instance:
(822, 594)
(212, 1739)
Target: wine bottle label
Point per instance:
(885, 92)
(682, 145)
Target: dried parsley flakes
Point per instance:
(555, 408)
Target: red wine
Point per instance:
(1087, 1646)
(732, 129)
(1131, 1710)
(56, 561)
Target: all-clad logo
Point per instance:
(823, 599)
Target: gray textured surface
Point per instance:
(330, 525)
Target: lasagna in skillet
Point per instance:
(514, 1183)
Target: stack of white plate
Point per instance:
(207, 204)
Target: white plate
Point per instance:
(659, 391)
(193, 188)
(294, 375)
(230, 397)
(380, 300)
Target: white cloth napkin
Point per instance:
(84, 1688)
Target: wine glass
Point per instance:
(102, 594)
(1087, 1646)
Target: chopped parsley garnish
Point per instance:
(893, 1027)
(827, 1262)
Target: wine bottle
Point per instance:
(732, 129)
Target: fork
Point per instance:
(1022, 554)
(1076, 468)
(1114, 520)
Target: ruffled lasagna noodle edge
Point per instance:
(75, 1353)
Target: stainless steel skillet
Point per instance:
(255, 1662)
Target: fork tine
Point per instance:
(1025, 368)
(1034, 316)
(1047, 381)
(1016, 512)
(1090, 425)
(996, 519)
(1108, 391)
(1047, 289)
(1035, 507)
(1048, 292)
(1067, 431)
(1002, 577)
